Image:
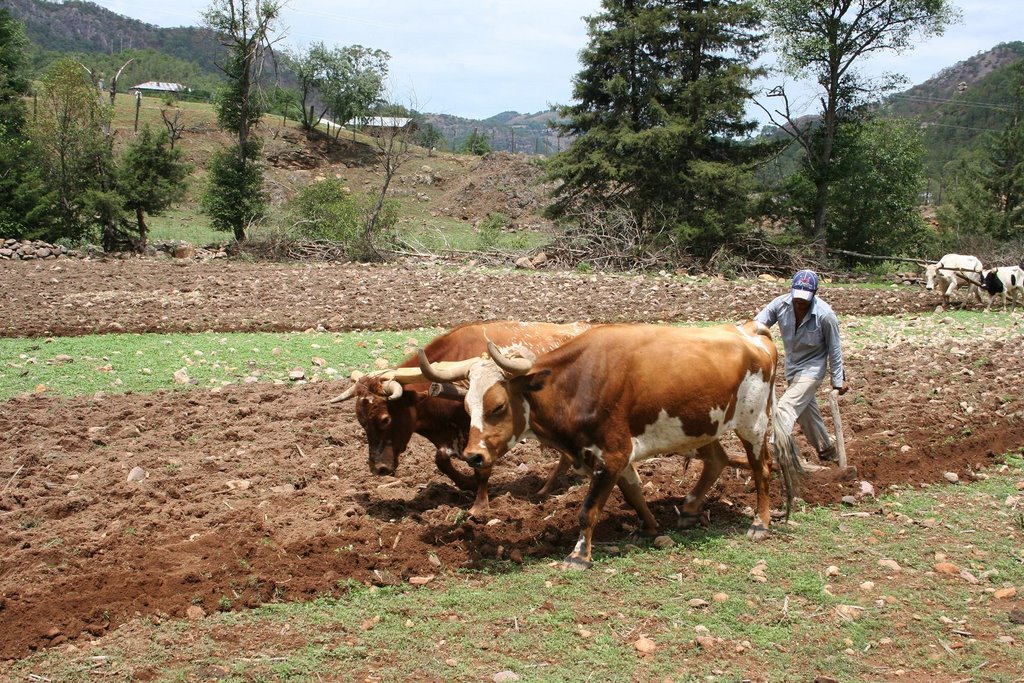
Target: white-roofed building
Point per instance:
(379, 125)
(158, 86)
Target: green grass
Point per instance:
(440, 234)
(548, 625)
(185, 223)
(928, 328)
(71, 366)
(147, 362)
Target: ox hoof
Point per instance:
(544, 491)
(478, 513)
(688, 521)
(578, 564)
(757, 532)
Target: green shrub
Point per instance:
(326, 209)
(489, 232)
(234, 197)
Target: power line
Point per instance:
(962, 103)
(928, 124)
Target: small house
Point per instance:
(383, 125)
(158, 87)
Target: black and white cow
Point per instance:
(1007, 281)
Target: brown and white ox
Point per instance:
(393, 405)
(953, 270)
(618, 394)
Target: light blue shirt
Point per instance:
(813, 344)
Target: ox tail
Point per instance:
(786, 454)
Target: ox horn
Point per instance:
(513, 366)
(445, 372)
(406, 376)
(393, 389)
(346, 395)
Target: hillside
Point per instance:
(962, 106)
(190, 55)
(508, 131)
(439, 192)
(77, 26)
(959, 110)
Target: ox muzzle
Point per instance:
(383, 462)
(477, 457)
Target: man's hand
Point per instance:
(843, 389)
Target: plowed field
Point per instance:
(263, 493)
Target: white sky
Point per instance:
(478, 58)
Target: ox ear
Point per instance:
(535, 380)
(415, 396)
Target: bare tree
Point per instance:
(113, 80)
(394, 148)
(245, 28)
(175, 126)
(94, 77)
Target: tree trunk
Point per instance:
(371, 221)
(140, 217)
(819, 238)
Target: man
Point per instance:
(810, 337)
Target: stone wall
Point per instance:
(28, 250)
(32, 250)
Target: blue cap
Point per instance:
(805, 284)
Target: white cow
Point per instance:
(953, 270)
(1005, 280)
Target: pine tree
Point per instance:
(245, 28)
(476, 144)
(1005, 177)
(985, 192)
(659, 112)
(18, 179)
(235, 198)
(151, 177)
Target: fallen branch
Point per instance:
(881, 258)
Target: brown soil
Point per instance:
(67, 298)
(262, 493)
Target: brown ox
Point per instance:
(618, 394)
(390, 413)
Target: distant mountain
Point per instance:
(963, 107)
(508, 131)
(77, 26)
(190, 55)
(960, 110)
